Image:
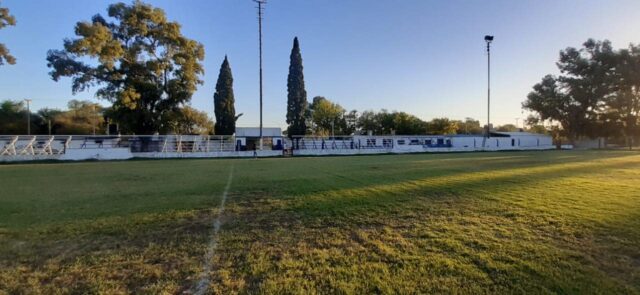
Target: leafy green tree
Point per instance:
(13, 118)
(507, 128)
(351, 120)
(406, 124)
(327, 117)
(536, 128)
(81, 117)
(368, 121)
(6, 19)
(223, 101)
(469, 126)
(142, 62)
(574, 99)
(442, 126)
(48, 119)
(297, 95)
(187, 120)
(622, 107)
(385, 122)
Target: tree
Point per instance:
(13, 118)
(142, 62)
(6, 19)
(327, 117)
(82, 117)
(622, 107)
(385, 122)
(469, 126)
(48, 119)
(187, 120)
(351, 120)
(406, 124)
(441, 126)
(368, 121)
(575, 98)
(297, 95)
(507, 128)
(540, 129)
(223, 101)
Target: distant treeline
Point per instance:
(85, 117)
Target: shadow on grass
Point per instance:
(343, 239)
(353, 200)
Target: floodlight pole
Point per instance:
(260, 3)
(28, 116)
(488, 39)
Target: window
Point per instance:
(427, 142)
(513, 142)
(414, 142)
(387, 142)
(401, 142)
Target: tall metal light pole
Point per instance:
(488, 39)
(260, 9)
(28, 116)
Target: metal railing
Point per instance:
(13, 145)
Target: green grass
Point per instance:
(518, 222)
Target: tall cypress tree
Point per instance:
(223, 101)
(297, 95)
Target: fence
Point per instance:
(342, 143)
(20, 145)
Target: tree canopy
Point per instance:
(596, 94)
(328, 117)
(6, 19)
(187, 120)
(13, 117)
(441, 126)
(297, 95)
(82, 117)
(142, 63)
(224, 101)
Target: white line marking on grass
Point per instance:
(203, 283)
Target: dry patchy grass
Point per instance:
(530, 222)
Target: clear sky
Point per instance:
(423, 57)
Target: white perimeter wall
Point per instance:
(459, 144)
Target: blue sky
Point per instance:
(423, 57)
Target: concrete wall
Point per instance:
(230, 154)
(327, 152)
(97, 154)
(345, 146)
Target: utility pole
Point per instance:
(517, 121)
(94, 119)
(260, 10)
(28, 116)
(488, 39)
(333, 134)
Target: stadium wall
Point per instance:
(77, 148)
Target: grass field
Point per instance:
(518, 222)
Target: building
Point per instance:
(248, 138)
